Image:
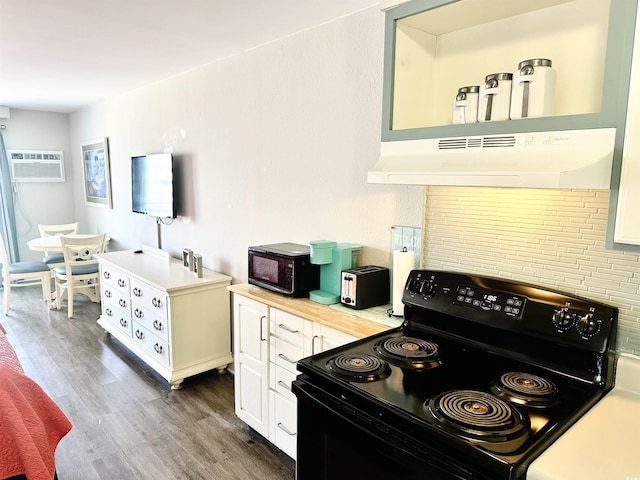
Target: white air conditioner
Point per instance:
(36, 165)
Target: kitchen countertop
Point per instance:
(605, 443)
(359, 323)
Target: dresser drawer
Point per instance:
(152, 320)
(117, 317)
(155, 347)
(280, 380)
(117, 279)
(148, 299)
(116, 299)
(288, 327)
(285, 355)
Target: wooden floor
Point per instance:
(127, 422)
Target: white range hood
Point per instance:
(559, 159)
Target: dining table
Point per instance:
(53, 244)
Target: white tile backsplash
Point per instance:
(553, 238)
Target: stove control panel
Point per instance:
(489, 300)
(520, 308)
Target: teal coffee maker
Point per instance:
(332, 257)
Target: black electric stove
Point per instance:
(481, 377)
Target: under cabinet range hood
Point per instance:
(557, 159)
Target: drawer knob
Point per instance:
(122, 302)
(122, 283)
(139, 335)
(284, 385)
(108, 312)
(123, 322)
(157, 325)
(106, 275)
(138, 313)
(137, 292)
(156, 302)
(158, 348)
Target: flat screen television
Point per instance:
(152, 185)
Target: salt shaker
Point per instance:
(534, 89)
(465, 105)
(495, 97)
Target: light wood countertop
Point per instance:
(332, 316)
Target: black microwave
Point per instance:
(284, 268)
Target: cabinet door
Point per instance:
(326, 338)
(627, 223)
(251, 362)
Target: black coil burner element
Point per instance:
(361, 367)
(526, 389)
(409, 352)
(481, 418)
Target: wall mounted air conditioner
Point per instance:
(36, 165)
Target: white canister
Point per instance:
(495, 97)
(534, 89)
(465, 105)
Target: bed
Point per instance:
(31, 424)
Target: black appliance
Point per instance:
(365, 287)
(480, 378)
(284, 268)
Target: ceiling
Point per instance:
(62, 55)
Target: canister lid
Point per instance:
(535, 62)
(469, 89)
(498, 76)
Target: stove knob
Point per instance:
(587, 325)
(563, 319)
(428, 288)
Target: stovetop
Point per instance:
(483, 365)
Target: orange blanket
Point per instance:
(31, 425)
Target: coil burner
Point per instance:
(409, 352)
(526, 389)
(360, 367)
(481, 418)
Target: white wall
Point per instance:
(40, 202)
(274, 143)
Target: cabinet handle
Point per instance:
(156, 302)
(123, 322)
(137, 292)
(287, 359)
(108, 294)
(139, 335)
(122, 283)
(157, 325)
(284, 385)
(286, 328)
(286, 430)
(106, 275)
(313, 344)
(158, 348)
(122, 302)
(138, 313)
(108, 312)
(262, 318)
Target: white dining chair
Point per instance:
(23, 274)
(55, 259)
(80, 272)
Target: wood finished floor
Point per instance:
(127, 422)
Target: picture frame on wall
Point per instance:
(96, 173)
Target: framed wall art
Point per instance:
(97, 177)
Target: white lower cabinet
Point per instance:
(268, 342)
(176, 323)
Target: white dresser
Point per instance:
(176, 323)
